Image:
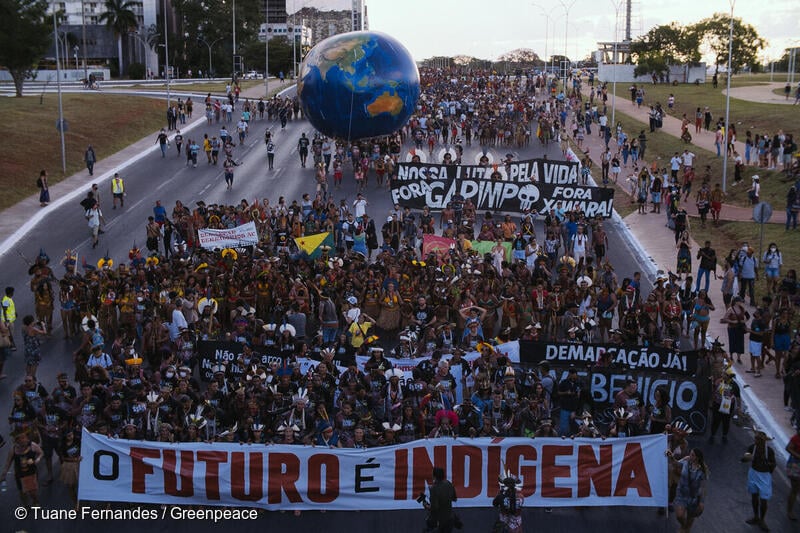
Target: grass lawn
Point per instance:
(730, 235)
(212, 86)
(108, 122)
(745, 115)
(660, 145)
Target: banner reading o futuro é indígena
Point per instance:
(535, 184)
(554, 472)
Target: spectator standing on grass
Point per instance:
(792, 207)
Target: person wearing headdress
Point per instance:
(509, 503)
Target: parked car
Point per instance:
(253, 75)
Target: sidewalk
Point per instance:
(660, 244)
(73, 188)
(671, 126)
(762, 396)
(763, 93)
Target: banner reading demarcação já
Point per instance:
(554, 472)
(536, 184)
(675, 372)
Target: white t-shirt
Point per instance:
(360, 208)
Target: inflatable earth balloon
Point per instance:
(358, 84)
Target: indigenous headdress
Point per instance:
(70, 259)
(105, 262)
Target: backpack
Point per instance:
(97, 338)
(39, 183)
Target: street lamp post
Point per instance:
(60, 107)
(617, 5)
(144, 49)
(566, 39)
(547, 18)
(234, 40)
(83, 37)
(210, 66)
(166, 52)
(266, 56)
(728, 103)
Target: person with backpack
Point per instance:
(759, 477)
(90, 158)
(748, 274)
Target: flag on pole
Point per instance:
(436, 245)
(312, 244)
(485, 247)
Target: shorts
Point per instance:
(119, 195)
(656, 197)
(95, 231)
(759, 483)
(782, 342)
(771, 272)
(33, 359)
(755, 349)
(716, 206)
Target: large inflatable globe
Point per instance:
(358, 84)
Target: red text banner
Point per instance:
(555, 473)
(240, 236)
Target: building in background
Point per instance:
(359, 16)
(100, 42)
(326, 24)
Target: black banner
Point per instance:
(689, 397)
(536, 184)
(228, 352)
(633, 357)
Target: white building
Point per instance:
(302, 33)
(359, 15)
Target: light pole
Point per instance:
(266, 56)
(234, 39)
(547, 19)
(144, 49)
(83, 38)
(166, 52)
(60, 107)
(728, 103)
(617, 5)
(210, 67)
(566, 37)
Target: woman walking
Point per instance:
(690, 498)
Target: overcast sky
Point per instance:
(488, 28)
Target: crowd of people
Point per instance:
(138, 320)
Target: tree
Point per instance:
(747, 44)
(120, 18)
(25, 36)
(673, 43)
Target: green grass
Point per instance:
(212, 86)
(108, 122)
(730, 235)
(661, 146)
(757, 117)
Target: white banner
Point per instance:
(244, 235)
(554, 473)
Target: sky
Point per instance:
(489, 28)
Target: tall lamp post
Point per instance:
(166, 52)
(60, 107)
(728, 103)
(547, 18)
(566, 7)
(266, 56)
(617, 4)
(144, 50)
(200, 39)
(233, 11)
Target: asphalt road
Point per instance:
(168, 179)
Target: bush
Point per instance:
(136, 71)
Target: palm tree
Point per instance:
(120, 18)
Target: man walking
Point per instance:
(118, 190)
(759, 478)
(94, 218)
(91, 158)
(302, 149)
(163, 141)
(443, 494)
(270, 153)
(9, 314)
(708, 264)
